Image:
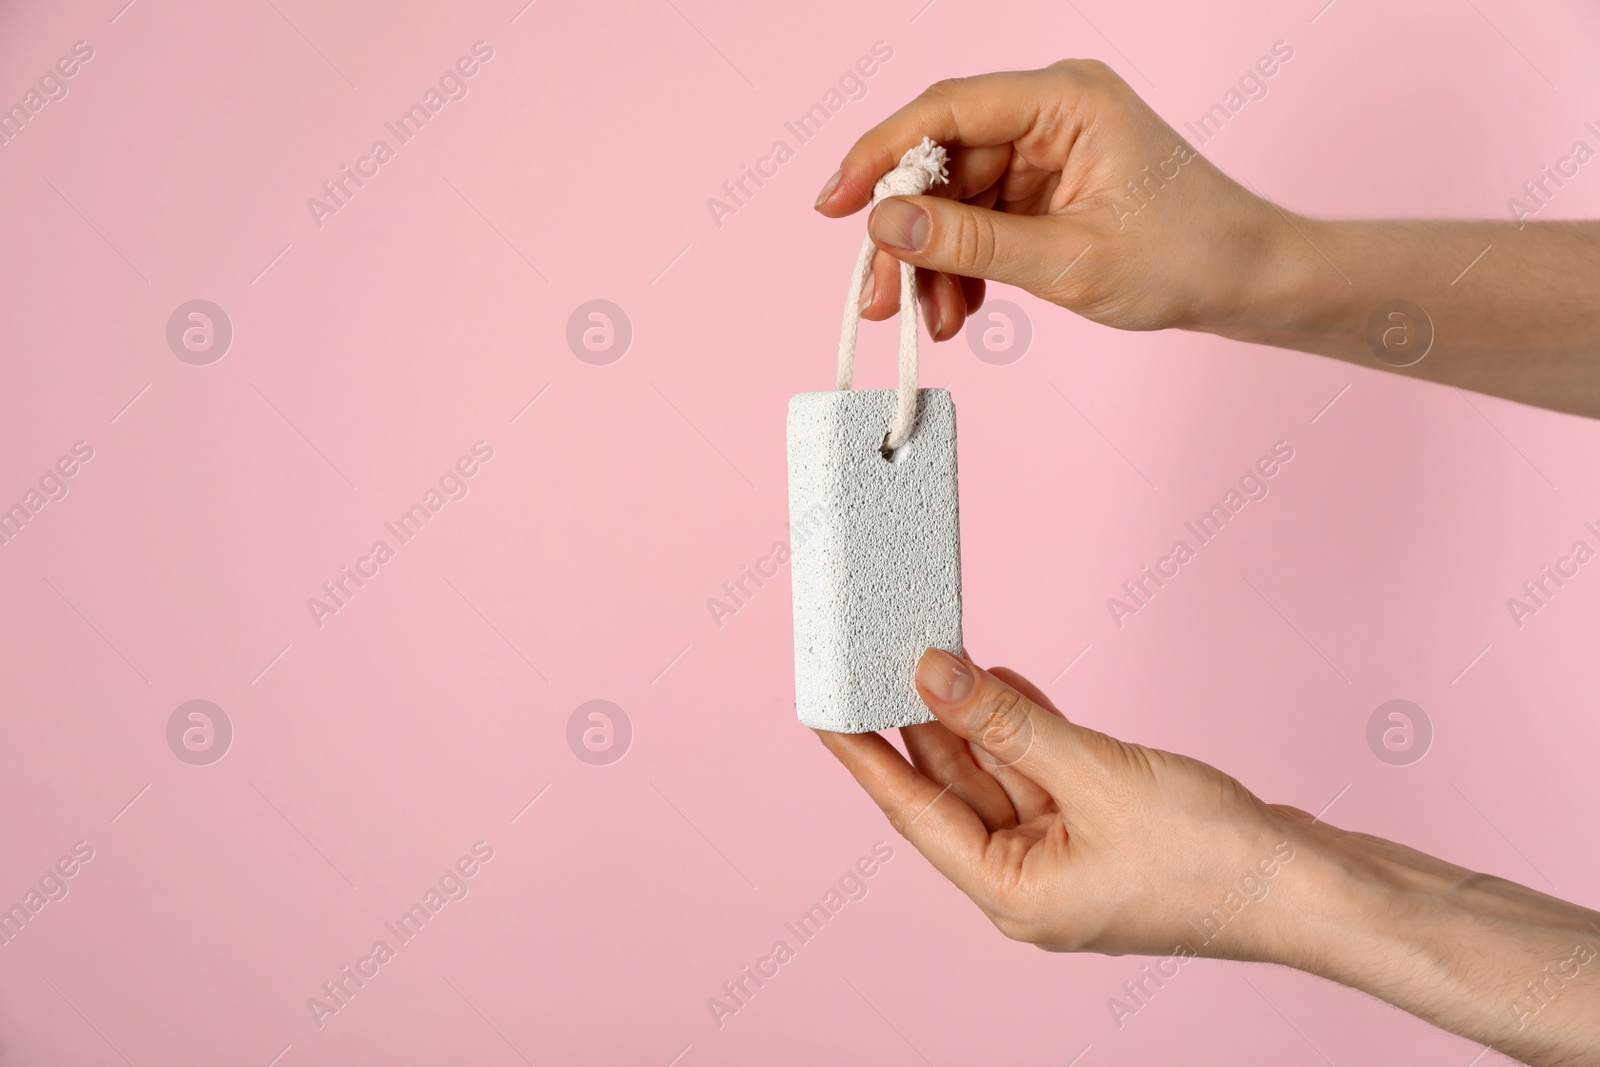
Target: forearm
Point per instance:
(1482, 957)
(1508, 311)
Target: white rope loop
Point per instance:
(919, 169)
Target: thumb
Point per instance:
(992, 716)
(955, 238)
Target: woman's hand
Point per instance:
(1073, 840)
(1065, 183)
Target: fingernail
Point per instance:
(900, 224)
(930, 315)
(943, 677)
(867, 289)
(827, 189)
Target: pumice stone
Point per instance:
(875, 555)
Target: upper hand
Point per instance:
(1065, 183)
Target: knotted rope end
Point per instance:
(923, 166)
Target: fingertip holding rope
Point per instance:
(919, 169)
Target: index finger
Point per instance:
(938, 823)
(977, 112)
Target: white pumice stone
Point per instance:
(875, 547)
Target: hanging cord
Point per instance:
(919, 169)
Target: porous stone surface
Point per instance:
(875, 555)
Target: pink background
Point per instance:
(370, 353)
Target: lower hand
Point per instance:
(1071, 839)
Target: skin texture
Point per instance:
(1039, 198)
(1073, 840)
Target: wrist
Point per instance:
(1352, 913)
(1475, 954)
(1311, 900)
(1288, 293)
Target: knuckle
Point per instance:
(1017, 923)
(897, 820)
(1008, 926)
(1086, 72)
(1003, 718)
(973, 243)
(943, 87)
